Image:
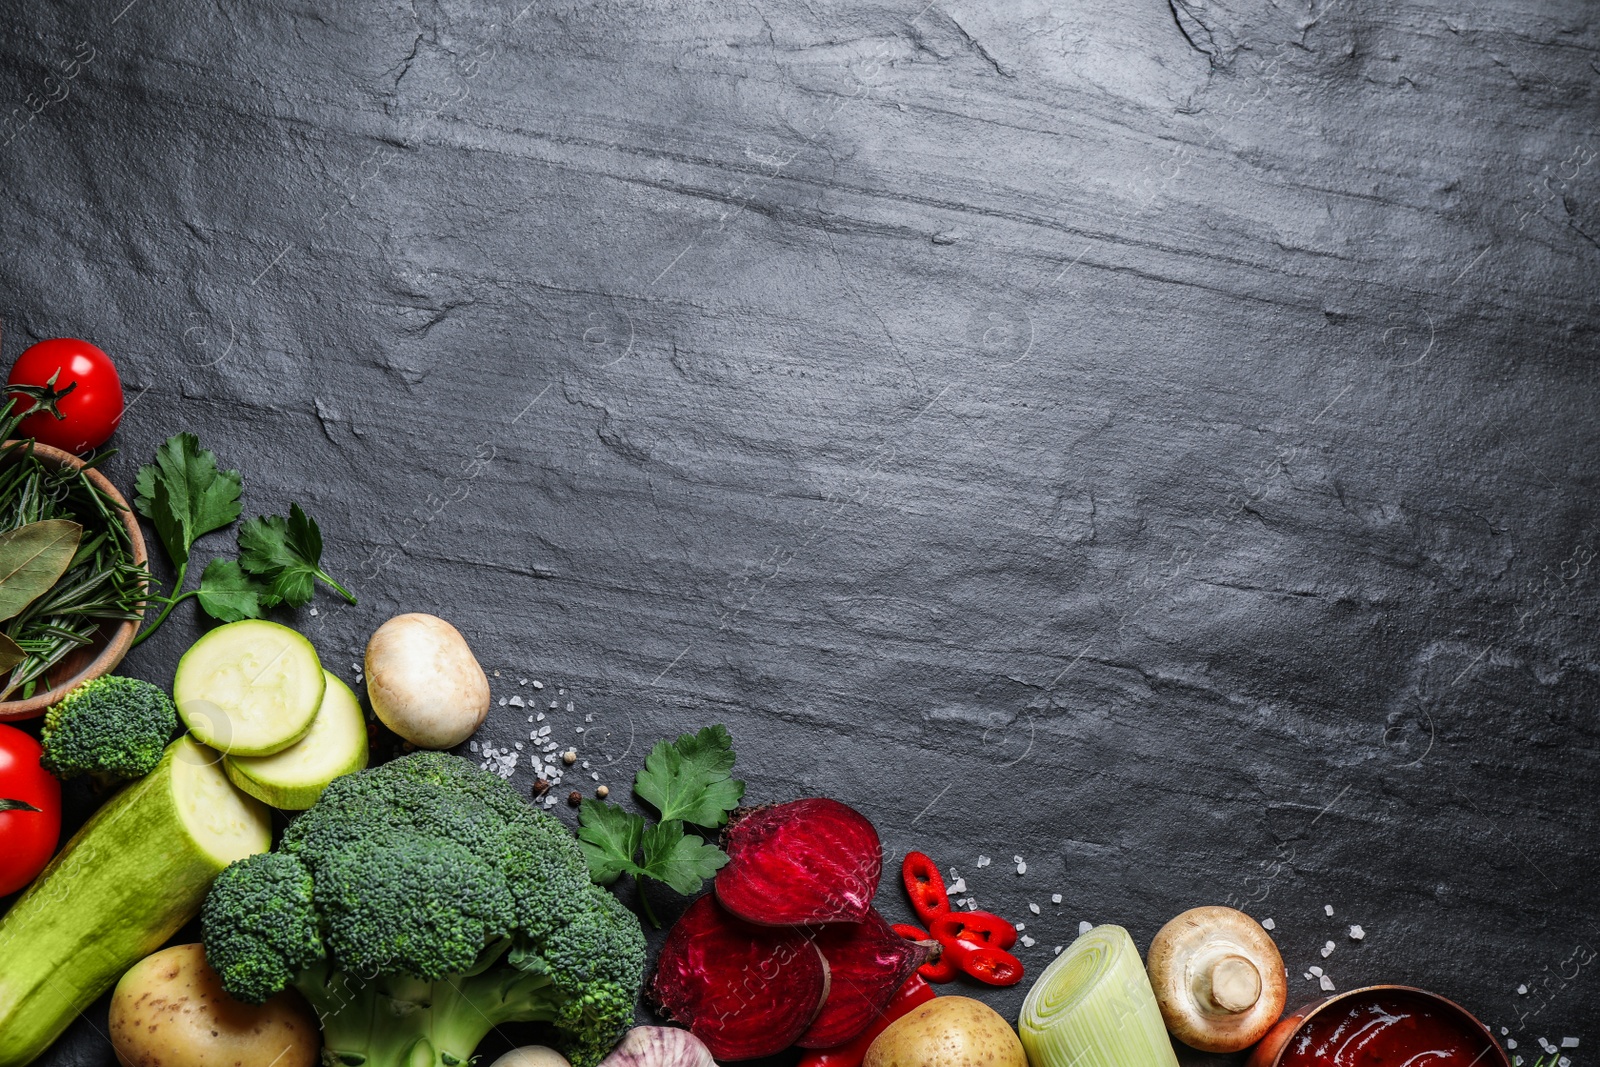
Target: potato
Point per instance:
(948, 1032)
(424, 682)
(170, 1010)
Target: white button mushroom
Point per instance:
(1218, 978)
(424, 682)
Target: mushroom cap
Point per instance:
(1218, 978)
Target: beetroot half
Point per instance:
(867, 962)
(746, 991)
(804, 863)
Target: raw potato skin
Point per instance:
(948, 1032)
(170, 1010)
(424, 682)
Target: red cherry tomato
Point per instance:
(74, 378)
(30, 823)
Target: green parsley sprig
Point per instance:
(689, 782)
(186, 495)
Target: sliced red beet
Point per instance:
(867, 962)
(745, 990)
(804, 863)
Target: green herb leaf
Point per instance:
(32, 558)
(11, 654)
(228, 594)
(609, 838)
(7, 804)
(688, 779)
(683, 861)
(287, 555)
(185, 495)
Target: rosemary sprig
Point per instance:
(102, 583)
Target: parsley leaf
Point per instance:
(186, 495)
(683, 861)
(286, 554)
(228, 594)
(689, 779)
(609, 838)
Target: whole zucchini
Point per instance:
(125, 883)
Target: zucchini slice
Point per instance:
(249, 688)
(293, 779)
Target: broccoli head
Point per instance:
(419, 904)
(110, 727)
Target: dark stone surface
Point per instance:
(1156, 442)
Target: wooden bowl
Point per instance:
(1271, 1050)
(102, 654)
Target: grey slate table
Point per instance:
(1156, 442)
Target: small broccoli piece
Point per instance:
(418, 905)
(111, 727)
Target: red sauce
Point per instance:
(1389, 1028)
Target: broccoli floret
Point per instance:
(111, 727)
(419, 904)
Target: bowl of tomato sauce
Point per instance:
(1379, 1026)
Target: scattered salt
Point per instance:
(1268, 924)
(502, 702)
(1027, 941)
(522, 681)
(958, 886)
(538, 684)
(1084, 927)
(1058, 950)
(473, 746)
(1055, 898)
(589, 717)
(1016, 859)
(594, 775)
(983, 861)
(516, 702)
(1522, 989)
(1327, 950)
(1021, 927)
(540, 716)
(519, 746)
(1309, 976)
(1316, 971)
(1327, 909)
(1511, 1043)
(569, 704)
(1327, 984)
(497, 674)
(1022, 868)
(1356, 933)
(1569, 1042)
(580, 729)
(1033, 908)
(314, 612)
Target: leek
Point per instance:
(1093, 1007)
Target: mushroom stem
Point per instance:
(1227, 985)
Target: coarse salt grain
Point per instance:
(1327, 909)
(1084, 927)
(1316, 971)
(1522, 989)
(1058, 950)
(1033, 908)
(1327, 950)
(983, 861)
(502, 702)
(1356, 933)
(1327, 984)
(1268, 924)
(958, 886)
(1021, 927)
(1022, 868)
(517, 702)
(1027, 941)
(1569, 1042)
(1055, 898)
(538, 684)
